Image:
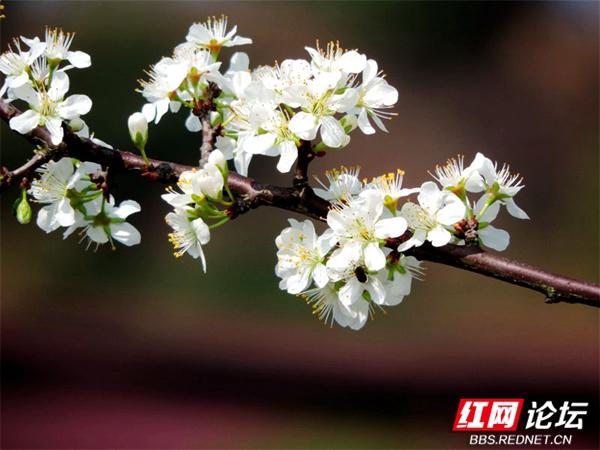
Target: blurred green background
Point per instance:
(137, 349)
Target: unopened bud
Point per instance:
(138, 130)
(217, 158)
(23, 209)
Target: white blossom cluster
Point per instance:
(35, 74)
(70, 191)
(271, 109)
(362, 260)
(198, 202)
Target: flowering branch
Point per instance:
(556, 288)
(375, 238)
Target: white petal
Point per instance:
(24, 123)
(370, 71)
(332, 132)
(430, 197)
(97, 234)
(125, 233)
(289, 154)
(494, 238)
(202, 231)
(353, 62)
(376, 291)
(192, 123)
(238, 40)
(439, 236)
(374, 257)
(75, 106)
(65, 214)
(363, 122)
(380, 93)
(304, 125)
(392, 227)
(453, 211)
(351, 292)
(514, 210)
(79, 59)
(239, 61)
(298, 282)
(59, 86)
(320, 275)
(259, 145)
(54, 126)
(491, 213)
(149, 111)
(46, 218)
(126, 208)
(27, 94)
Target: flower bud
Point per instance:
(216, 158)
(23, 210)
(138, 130)
(210, 181)
(76, 125)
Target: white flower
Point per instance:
(318, 106)
(333, 62)
(390, 185)
(59, 187)
(375, 97)
(454, 177)
(161, 88)
(428, 220)
(359, 289)
(328, 307)
(501, 185)
(288, 81)
(275, 139)
(104, 222)
(490, 236)
(49, 109)
(210, 181)
(343, 184)
(15, 63)
(189, 234)
(300, 256)
(213, 35)
(189, 183)
(261, 129)
(360, 226)
(57, 49)
(397, 278)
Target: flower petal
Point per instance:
(125, 233)
(494, 238)
(374, 257)
(24, 123)
(392, 227)
(304, 125)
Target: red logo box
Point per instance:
(488, 414)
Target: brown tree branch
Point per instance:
(556, 288)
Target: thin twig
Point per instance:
(556, 288)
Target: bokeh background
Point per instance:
(135, 349)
